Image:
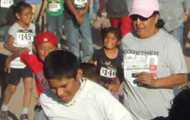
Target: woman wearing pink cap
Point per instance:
(153, 63)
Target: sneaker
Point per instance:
(4, 115)
(24, 117)
(37, 108)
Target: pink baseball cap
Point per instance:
(144, 8)
(46, 37)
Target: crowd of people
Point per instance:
(136, 74)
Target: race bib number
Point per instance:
(108, 73)
(80, 3)
(135, 64)
(54, 7)
(24, 39)
(6, 3)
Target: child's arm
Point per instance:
(32, 62)
(83, 11)
(78, 16)
(102, 7)
(44, 7)
(115, 86)
(9, 45)
(8, 62)
(14, 50)
(71, 7)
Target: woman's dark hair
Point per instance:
(160, 23)
(59, 64)
(113, 30)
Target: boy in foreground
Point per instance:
(71, 97)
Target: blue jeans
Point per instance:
(179, 34)
(55, 24)
(79, 38)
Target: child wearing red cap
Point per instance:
(45, 43)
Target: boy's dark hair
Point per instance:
(59, 64)
(89, 71)
(180, 109)
(115, 31)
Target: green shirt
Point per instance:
(55, 7)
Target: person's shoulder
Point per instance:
(164, 35)
(94, 87)
(169, 39)
(14, 26)
(127, 40)
(32, 26)
(44, 97)
(91, 84)
(99, 52)
(47, 97)
(128, 36)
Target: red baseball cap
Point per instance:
(46, 37)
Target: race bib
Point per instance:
(108, 73)
(24, 39)
(6, 3)
(80, 3)
(135, 64)
(54, 7)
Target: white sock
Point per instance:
(4, 107)
(25, 110)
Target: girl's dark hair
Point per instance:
(113, 30)
(160, 23)
(20, 6)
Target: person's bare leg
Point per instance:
(27, 94)
(9, 91)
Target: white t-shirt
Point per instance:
(6, 3)
(23, 38)
(91, 102)
(80, 3)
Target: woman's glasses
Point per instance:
(141, 18)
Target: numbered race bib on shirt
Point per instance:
(107, 72)
(80, 3)
(135, 64)
(6, 3)
(24, 39)
(54, 7)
